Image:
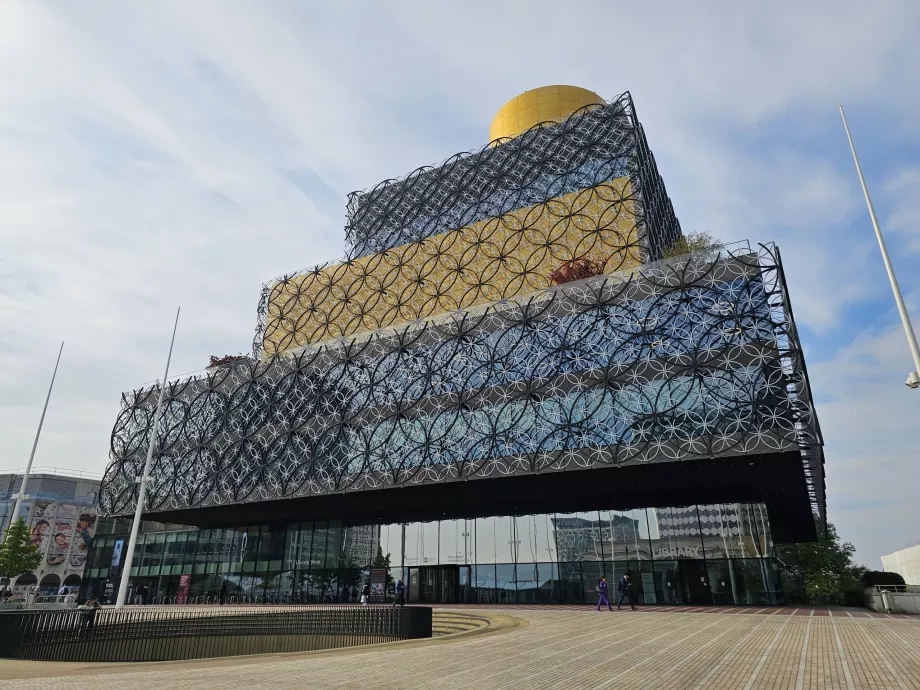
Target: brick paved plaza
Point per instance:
(542, 648)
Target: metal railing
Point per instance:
(58, 471)
(912, 589)
(158, 634)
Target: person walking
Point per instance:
(624, 587)
(400, 593)
(222, 597)
(602, 594)
(88, 615)
(365, 594)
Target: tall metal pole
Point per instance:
(145, 479)
(20, 497)
(914, 379)
(402, 556)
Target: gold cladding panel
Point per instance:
(500, 257)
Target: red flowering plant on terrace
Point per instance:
(576, 270)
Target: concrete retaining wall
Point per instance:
(893, 602)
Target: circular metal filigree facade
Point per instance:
(440, 350)
(680, 360)
(481, 227)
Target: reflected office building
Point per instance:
(518, 379)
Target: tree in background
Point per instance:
(693, 243)
(18, 555)
(346, 574)
(827, 569)
(381, 561)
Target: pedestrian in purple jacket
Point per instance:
(602, 594)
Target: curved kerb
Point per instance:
(463, 626)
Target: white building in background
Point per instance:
(905, 562)
(60, 510)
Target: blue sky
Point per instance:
(158, 153)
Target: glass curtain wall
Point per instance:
(693, 555)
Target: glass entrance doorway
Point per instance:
(440, 584)
(696, 580)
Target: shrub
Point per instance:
(226, 359)
(853, 596)
(576, 270)
(692, 243)
(876, 578)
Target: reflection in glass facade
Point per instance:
(706, 554)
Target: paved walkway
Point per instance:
(839, 611)
(543, 648)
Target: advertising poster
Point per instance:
(116, 553)
(66, 511)
(378, 583)
(184, 582)
(41, 532)
(60, 541)
(44, 509)
(83, 537)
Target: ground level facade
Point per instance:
(705, 554)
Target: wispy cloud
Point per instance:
(869, 420)
(173, 152)
(902, 191)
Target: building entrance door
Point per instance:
(696, 580)
(439, 584)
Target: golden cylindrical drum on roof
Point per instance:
(544, 104)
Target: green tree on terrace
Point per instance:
(693, 243)
(18, 555)
(827, 569)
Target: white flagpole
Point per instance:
(25, 477)
(145, 479)
(913, 380)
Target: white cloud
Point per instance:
(902, 191)
(869, 419)
(174, 152)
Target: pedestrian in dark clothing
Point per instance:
(223, 593)
(354, 594)
(602, 594)
(88, 616)
(624, 586)
(400, 593)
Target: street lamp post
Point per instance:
(913, 379)
(20, 497)
(145, 479)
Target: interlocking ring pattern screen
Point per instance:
(682, 359)
(444, 346)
